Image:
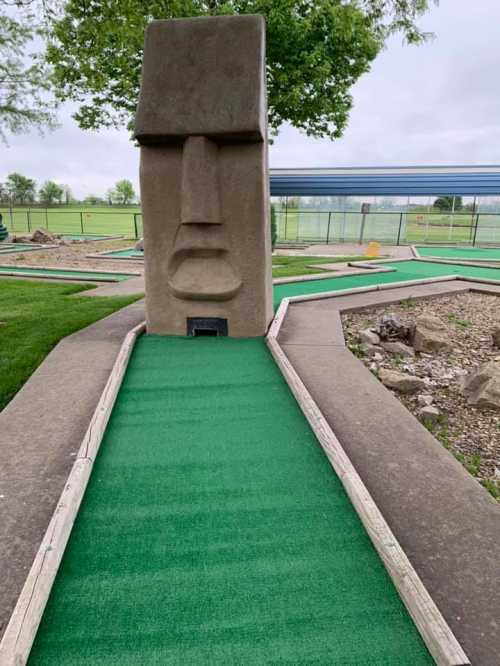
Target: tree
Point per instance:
(92, 200)
(24, 77)
(316, 51)
(20, 188)
(51, 192)
(446, 203)
(123, 192)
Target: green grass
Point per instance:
(112, 220)
(298, 265)
(214, 531)
(34, 316)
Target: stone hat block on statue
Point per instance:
(202, 126)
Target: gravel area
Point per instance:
(472, 434)
(73, 255)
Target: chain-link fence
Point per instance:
(73, 221)
(394, 228)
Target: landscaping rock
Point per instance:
(43, 236)
(140, 244)
(369, 337)
(496, 336)
(400, 381)
(429, 334)
(21, 239)
(398, 348)
(390, 328)
(482, 386)
(371, 350)
(425, 400)
(429, 414)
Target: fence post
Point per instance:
(28, 218)
(328, 229)
(475, 231)
(399, 230)
(286, 215)
(135, 227)
(81, 221)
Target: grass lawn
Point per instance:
(291, 266)
(34, 316)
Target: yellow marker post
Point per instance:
(373, 250)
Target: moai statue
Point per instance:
(202, 126)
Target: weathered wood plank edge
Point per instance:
(435, 632)
(105, 255)
(73, 269)
(21, 630)
(458, 262)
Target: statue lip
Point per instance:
(203, 275)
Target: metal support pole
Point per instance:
(328, 228)
(29, 220)
(286, 215)
(81, 221)
(135, 226)
(475, 231)
(399, 230)
(46, 219)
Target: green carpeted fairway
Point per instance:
(124, 254)
(405, 270)
(470, 253)
(214, 530)
(87, 276)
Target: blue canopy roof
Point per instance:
(385, 181)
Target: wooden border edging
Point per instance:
(433, 628)
(11, 273)
(105, 255)
(21, 630)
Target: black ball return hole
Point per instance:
(213, 326)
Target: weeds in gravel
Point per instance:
(493, 487)
(408, 303)
(463, 323)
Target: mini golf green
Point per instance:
(404, 270)
(470, 253)
(129, 253)
(214, 530)
(87, 276)
(88, 237)
(10, 248)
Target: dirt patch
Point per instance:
(73, 255)
(472, 434)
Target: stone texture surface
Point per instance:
(399, 381)
(42, 236)
(398, 348)
(369, 337)
(429, 334)
(429, 414)
(482, 385)
(495, 334)
(205, 199)
(205, 77)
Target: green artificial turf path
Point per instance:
(124, 254)
(65, 273)
(10, 248)
(34, 316)
(214, 531)
(291, 265)
(471, 253)
(404, 270)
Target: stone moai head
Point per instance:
(202, 126)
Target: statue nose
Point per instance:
(200, 187)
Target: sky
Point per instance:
(438, 103)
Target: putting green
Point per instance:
(11, 248)
(470, 253)
(124, 254)
(214, 531)
(404, 270)
(86, 276)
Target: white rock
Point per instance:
(398, 348)
(400, 381)
(425, 400)
(369, 337)
(429, 413)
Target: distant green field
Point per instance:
(108, 220)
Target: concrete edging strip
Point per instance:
(432, 626)
(21, 630)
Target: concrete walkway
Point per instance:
(446, 522)
(41, 429)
